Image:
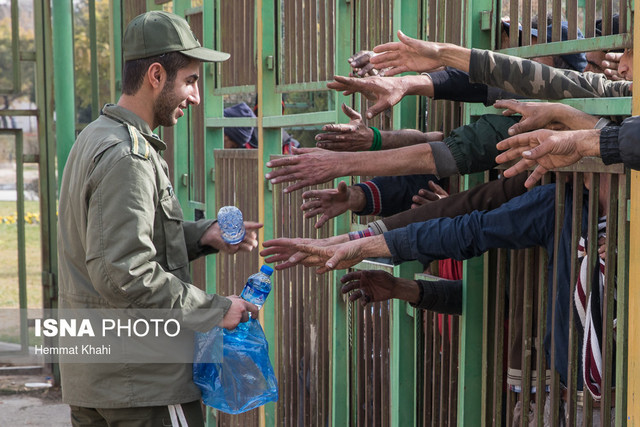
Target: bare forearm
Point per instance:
(588, 142)
(375, 246)
(454, 56)
(575, 119)
(415, 159)
(402, 138)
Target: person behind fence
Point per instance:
(522, 222)
(122, 240)
(247, 137)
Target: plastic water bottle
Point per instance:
(258, 286)
(231, 224)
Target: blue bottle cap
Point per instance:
(266, 270)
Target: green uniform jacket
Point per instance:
(122, 243)
(534, 80)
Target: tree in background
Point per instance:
(82, 54)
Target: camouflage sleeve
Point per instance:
(534, 80)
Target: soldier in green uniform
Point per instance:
(122, 239)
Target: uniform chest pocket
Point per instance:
(176, 247)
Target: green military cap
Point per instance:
(157, 32)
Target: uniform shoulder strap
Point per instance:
(139, 145)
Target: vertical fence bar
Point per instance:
(64, 81)
(633, 361)
(340, 325)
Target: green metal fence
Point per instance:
(337, 363)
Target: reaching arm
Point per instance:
(549, 115)
(522, 222)
(316, 166)
(356, 136)
(411, 54)
(534, 80)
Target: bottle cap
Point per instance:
(266, 270)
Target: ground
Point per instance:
(23, 406)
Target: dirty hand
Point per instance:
(383, 92)
(360, 64)
(309, 166)
(547, 149)
(327, 203)
(284, 249)
(424, 196)
(408, 54)
(376, 285)
(354, 136)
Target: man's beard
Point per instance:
(166, 104)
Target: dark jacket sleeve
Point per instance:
(388, 195)
(474, 145)
(454, 85)
(629, 142)
(523, 222)
(443, 296)
(483, 197)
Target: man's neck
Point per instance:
(140, 106)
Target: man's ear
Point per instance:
(156, 75)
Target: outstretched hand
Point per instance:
(383, 92)
(360, 65)
(309, 166)
(283, 250)
(408, 54)
(348, 254)
(424, 196)
(547, 149)
(326, 203)
(542, 115)
(376, 285)
(354, 136)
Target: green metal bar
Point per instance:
(300, 119)
(222, 122)
(622, 288)
(233, 90)
(16, 113)
(595, 106)
(47, 165)
(93, 40)
(470, 407)
(571, 46)
(64, 80)
(340, 367)
(15, 48)
(213, 138)
(115, 28)
(270, 141)
(403, 338)
(22, 257)
(303, 87)
(182, 141)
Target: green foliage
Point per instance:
(82, 54)
(26, 43)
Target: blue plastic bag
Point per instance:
(244, 379)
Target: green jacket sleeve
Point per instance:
(193, 231)
(121, 249)
(534, 80)
(473, 146)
